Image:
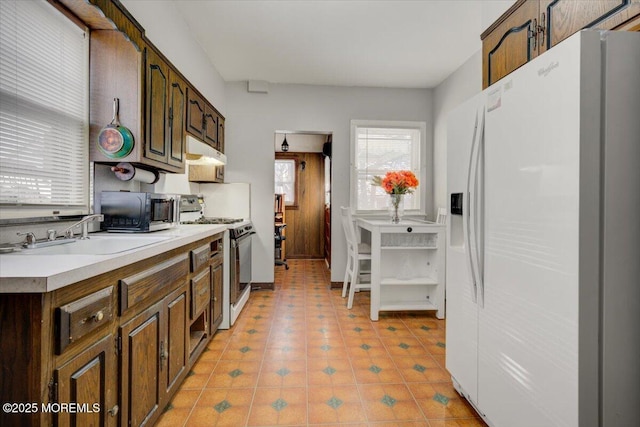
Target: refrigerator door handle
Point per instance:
(478, 213)
(467, 222)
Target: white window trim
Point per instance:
(422, 127)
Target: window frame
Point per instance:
(296, 161)
(26, 212)
(422, 158)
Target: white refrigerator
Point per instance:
(543, 242)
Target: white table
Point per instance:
(407, 265)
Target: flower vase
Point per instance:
(396, 207)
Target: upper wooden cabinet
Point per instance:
(530, 27)
(203, 121)
(157, 104)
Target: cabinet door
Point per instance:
(211, 127)
(221, 134)
(177, 114)
(173, 351)
(157, 108)
(89, 379)
(565, 17)
(216, 297)
(195, 114)
(509, 45)
(140, 367)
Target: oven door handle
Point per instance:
(242, 238)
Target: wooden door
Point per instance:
(177, 120)
(508, 44)
(140, 367)
(195, 114)
(88, 379)
(562, 18)
(157, 108)
(216, 297)
(305, 222)
(210, 126)
(173, 351)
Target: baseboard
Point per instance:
(336, 285)
(262, 286)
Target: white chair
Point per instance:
(442, 216)
(356, 252)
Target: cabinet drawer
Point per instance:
(200, 292)
(200, 257)
(80, 317)
(155, 281)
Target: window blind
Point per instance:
(378, 150)
(44, 126)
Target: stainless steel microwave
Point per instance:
(131, 212)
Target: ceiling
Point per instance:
(401, 44)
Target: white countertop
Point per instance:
(22, 273)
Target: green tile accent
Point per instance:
(375, 369)
(279, 405)
(357, 329)
(441, 344)
(262, 306)
(352, 316)
(419, 368)
(441, 399)
(391, 328)
(325, 347)
(403, 345)
(283, 372)
(252, 331)
(290, 305)
(287, 349)
(258, 317)
(317, 296)
(289, 317)
(425, 328)
(191, 373)
(235, 373)
(365, 347)
(245, 349)
(287, 330)
(167, 408)
(321, 316)
(334, 402)
(292, 296)
(323, 330)
(222, 406)
(329, 370)
(388, 400)
(318, 305)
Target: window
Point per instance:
(44, 111)
(285, 180)
(377, 148)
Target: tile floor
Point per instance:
(297, 357)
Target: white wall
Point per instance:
(253, 119)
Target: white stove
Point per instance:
(237, 255)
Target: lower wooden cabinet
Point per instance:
(152, 358)
(89, 380)
(118, 344)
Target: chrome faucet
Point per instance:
(84, 222)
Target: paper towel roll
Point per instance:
(128, 172)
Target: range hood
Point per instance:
(199, 153)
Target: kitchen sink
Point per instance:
(97, 245)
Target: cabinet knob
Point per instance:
(409, 229)
(98, 316)
(114, 411)
(215, 298)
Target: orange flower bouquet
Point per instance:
(400, 182)
(396, 184)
